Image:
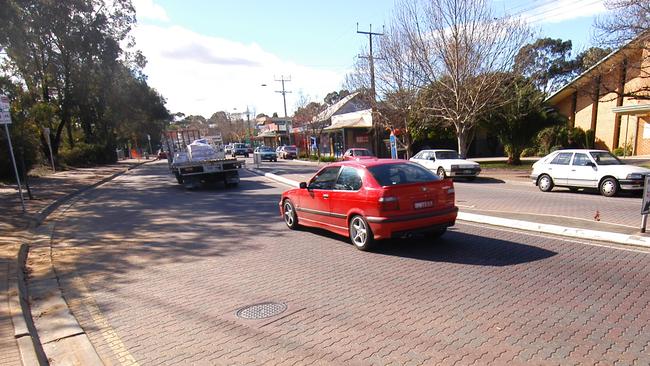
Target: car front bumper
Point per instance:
(631, 184)
(464, 172)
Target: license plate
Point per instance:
(423, 204)
(212, 168)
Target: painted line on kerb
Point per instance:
(557, 230)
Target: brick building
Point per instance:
(612, 99)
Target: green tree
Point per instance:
(517, 122)
(546, 62)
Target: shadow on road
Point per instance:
(149, 220)
(453, 247)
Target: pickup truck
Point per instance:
(204, 161)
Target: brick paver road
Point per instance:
(156, 274)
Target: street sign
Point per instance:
(5, 115)
(393, 146)
(645, 206)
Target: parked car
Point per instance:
(249, 148)
(288, 152)
(368, 200)
(162, 154)
(584, 168)
(447, 164)
(358, 154)
(266, 153)
(228, 149)
(239, 149)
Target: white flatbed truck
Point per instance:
(192, 170)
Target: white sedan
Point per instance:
(584, 168)
(447, 164)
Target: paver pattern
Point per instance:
(164, 270)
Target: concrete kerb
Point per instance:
(27, 338)
(625, 239)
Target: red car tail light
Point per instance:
(389, 203)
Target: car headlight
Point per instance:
(635, 176)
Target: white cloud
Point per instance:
(146, 9)
(199, 74)
(563, 10)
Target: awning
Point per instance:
(360, 119)
(632, 110)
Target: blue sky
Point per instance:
(205, 56)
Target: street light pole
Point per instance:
(283, 92)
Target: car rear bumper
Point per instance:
(389, 227)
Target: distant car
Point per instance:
(358, 154)
(239, 149)
(266, 153)
(372, 199)
(249, 148)
(288, 152)
(447, 164)
(227, 149)
(584, 168)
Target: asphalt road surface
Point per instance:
(159, 275)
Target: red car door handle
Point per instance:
(326, 195)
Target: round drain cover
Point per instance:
(261, 311)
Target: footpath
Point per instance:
(21, 342)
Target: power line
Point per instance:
(539, 17)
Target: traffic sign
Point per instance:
(5, 115)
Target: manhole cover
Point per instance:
(261, 311)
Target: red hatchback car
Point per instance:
(369, 200)
(357, 153)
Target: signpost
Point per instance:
(5, 119)
(645, 206)
(393, 146)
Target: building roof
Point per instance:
(359, 119)
(614, 56)
(331, 110)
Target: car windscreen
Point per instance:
(605, 158)
(447, 155)
(267, 149)
(401, 173)
(290, 148)
(362, 153)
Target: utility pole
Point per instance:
(373, 100)
(283, 92)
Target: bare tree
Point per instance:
(627, 25)
(397, 83)
(460, 51)
(626, 20)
